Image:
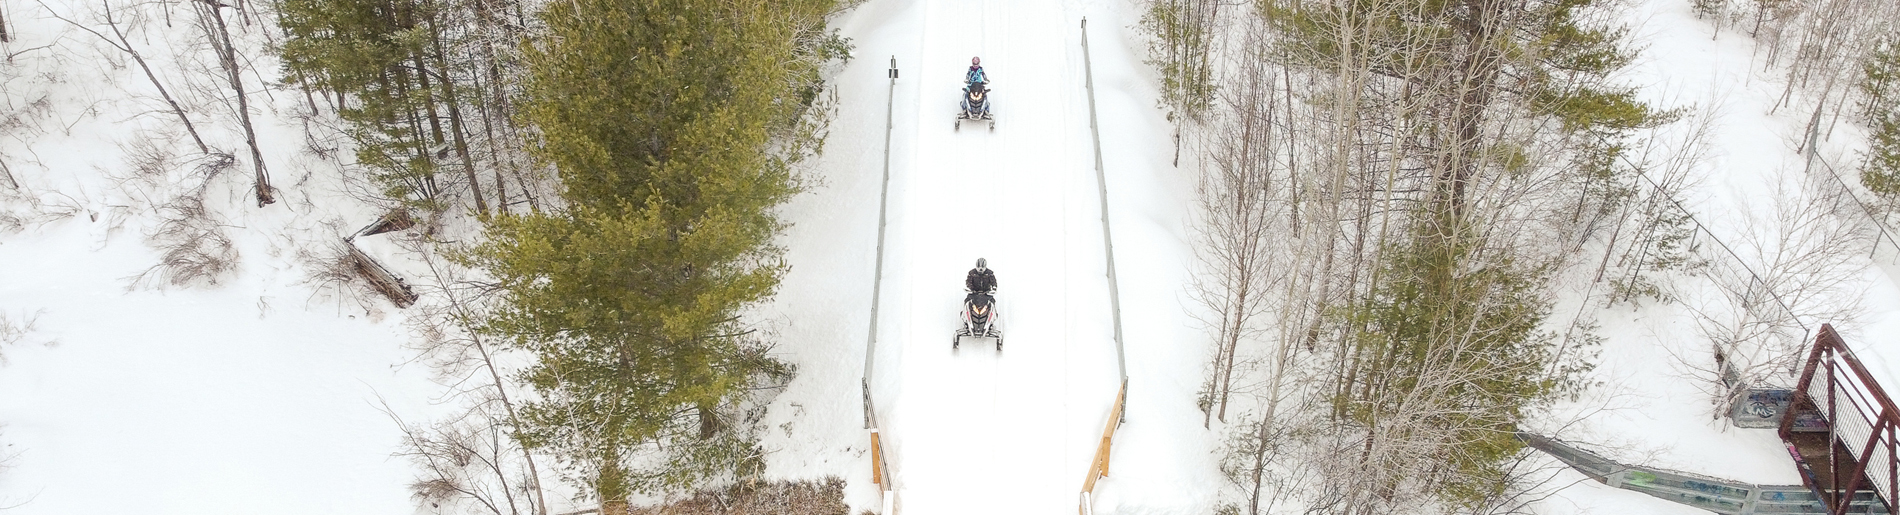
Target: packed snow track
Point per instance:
(977, 430)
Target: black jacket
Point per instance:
(980, 280)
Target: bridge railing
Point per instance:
(880, 461)
(1860, 419)
(1708, 493)
(1098, 466)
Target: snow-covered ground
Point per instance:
(259, 394)
(237, 400)
(1651, 409)
(263, 392)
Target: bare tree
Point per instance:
(119, 42)
(1808, 272)
(218, 33)
(1409, 184)
(465, 360)
(1237, 224)
(465, 463)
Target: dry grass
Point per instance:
(192, 246)
(761, 498)
(189, 237)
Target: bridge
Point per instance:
(981, 428)
(1839, 427)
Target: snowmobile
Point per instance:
(975, 104)
(979, 319)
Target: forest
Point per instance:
(651, 142)
(1392, 191)
(590, 190)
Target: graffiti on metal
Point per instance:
(1761, 408)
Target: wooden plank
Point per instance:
(1114, 422)
(1095, 472)
(877, 458)
(1098, 467)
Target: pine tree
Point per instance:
(1183, 32)
(1880, 104)
(674, 126)
(1447, 359)
(1461, 61)
(384, 61)
(1446, 102)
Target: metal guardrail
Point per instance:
(880, 464)
(1098, 467)
(1708, 493)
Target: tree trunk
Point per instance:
(455, 121)
(227, 55)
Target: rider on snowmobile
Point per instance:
(975, 88)
(981, 279)
(979, 307)
(975, 74)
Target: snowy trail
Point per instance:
(977, 430)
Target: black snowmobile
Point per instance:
(979, 319)
(975, 104)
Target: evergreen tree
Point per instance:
(1880, 85)
(1460, 62)
(385, 63)
(1447, 357)
(674, 126)
(1183, 33)
(1440, 355)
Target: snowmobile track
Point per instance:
(995, 431)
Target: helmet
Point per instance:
(976, 61)
(981, 264)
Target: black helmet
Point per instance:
(981, 264)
